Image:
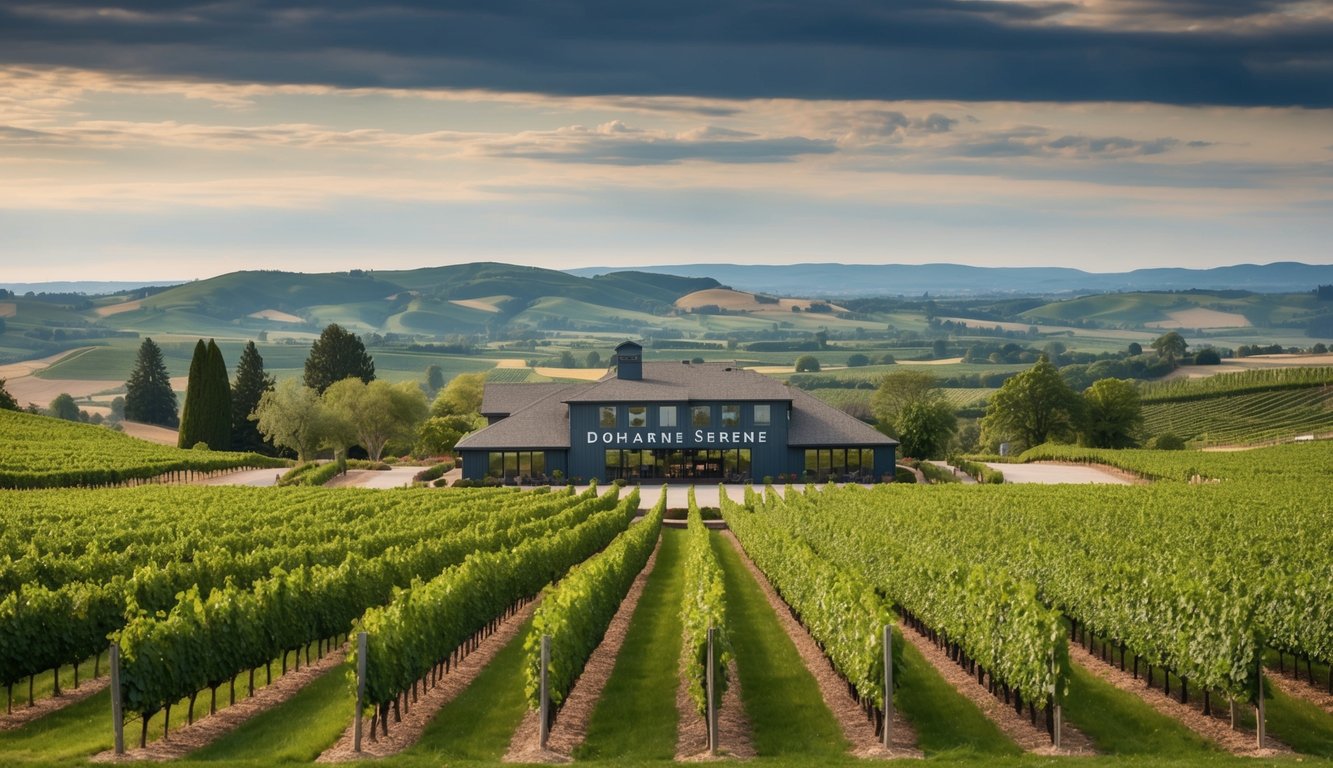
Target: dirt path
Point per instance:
(733, 727)
(1215, 728)
(1052, 472)
(859, 730)
(1299, 687)
(571, 723)
(24, 714)
(1030, 738)
(414, 721)
(210, 728)
(394, 477)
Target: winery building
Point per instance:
(670, 421)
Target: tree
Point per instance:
(63, 407)
(7, 401)
(939, 349)
(1170, 345)
(1208, 356)
(898, 390)
(567, 360)
(377, 412)
(292, 416)
(1033, 407)
(148, 395)
(434, 380)
(336, 355)
(251, 384)
(1134, 348)
(1112, 414)
(925, 427)
(593, 360)
(857, 360)
(438, 435)
(807, 364)
(206, 417)
(462, 397)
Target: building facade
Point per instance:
(667, 421)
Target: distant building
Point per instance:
(668, 421)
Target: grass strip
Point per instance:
(636, 716)
(787, 714)
(946, 723)
(296, 730)
(76, 731)
(479, 722)
(1119, 722)
(1299, 724)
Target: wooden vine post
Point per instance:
(544, 731)
(1057, 709)
(117, 706)
(1259, 705)
(710, 680)
(360, 689)
(888, 687)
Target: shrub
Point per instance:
(1167, 442)
(903, 475)
(433, 472)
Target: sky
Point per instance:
(178, 140)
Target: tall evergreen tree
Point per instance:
(206, 417)
(336, 355)
(251, 384)
(148, 395)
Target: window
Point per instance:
(731, 415)
(666, 416)
(638, 415)
(701, 416)
(763, 415)
(608, 416)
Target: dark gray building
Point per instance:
(655, 421)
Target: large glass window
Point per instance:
(638, 415)
(763, 415)
(731, 415)
(666, 416)
(608, 418)
(520, 466)
(701, 416)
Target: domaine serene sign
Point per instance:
(701, 437)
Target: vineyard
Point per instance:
(1247, 417)
(42, 452)
(1198, 586)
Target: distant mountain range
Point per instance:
(847, 280)
(88, 287)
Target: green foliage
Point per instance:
(251, 384)
(462, 397)
(1112, 414)
(377, 412)
(438, 435)
(42, 452)
(148, 394)
(434, 380)
(703, 605)
(925, 428)
(978, 470)
(1237, 383)
(7, 401)
(433, 472)
(903, 475)
(423, 625)
(857, 360)
(336, 355)
(293, 416)
(64, 407)
(839, 608)
(206, 417)
(1167, 442)
(1033, 407)
(807, 364)
(1170, 345)
(576, 611)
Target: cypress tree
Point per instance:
(206, 417)
(251, 384)
(148, 395)
(336, 355)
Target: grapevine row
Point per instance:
(703, 606)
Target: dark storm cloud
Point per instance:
(1240, 52)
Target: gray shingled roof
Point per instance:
(503, 399)
(816, 423)
(679, 382)
(543, 423)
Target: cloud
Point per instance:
(1035, 141)
(1229, 52)
(618, 144)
